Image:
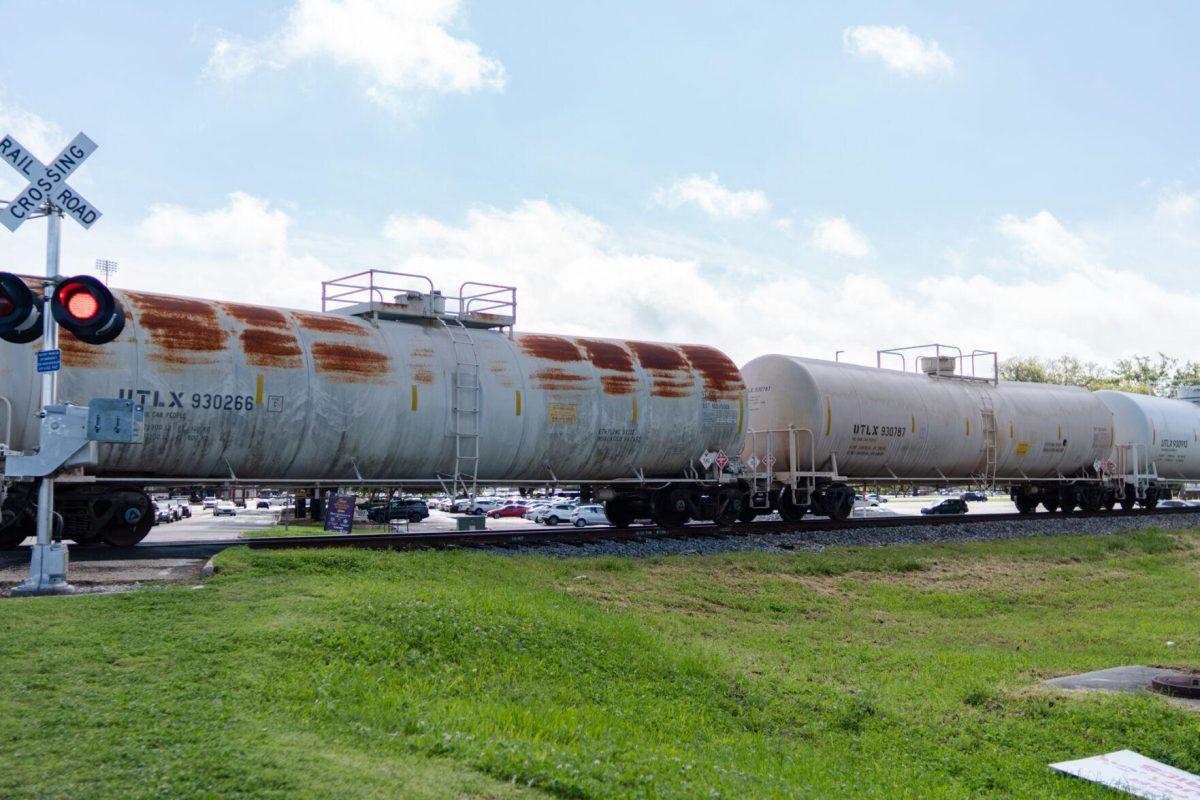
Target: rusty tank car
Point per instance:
(387, 386)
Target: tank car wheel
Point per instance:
(132, 520)
(1129, 500)
(669, 508)
(729, 506)
(789, 510)
(1090, 500)
(1151, 501)
(1050, 505)
(620, 513)
(1110, 502)
(1026, 504)
(747, 514)
(843, 509)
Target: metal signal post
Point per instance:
(48, 194)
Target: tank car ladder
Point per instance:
(465, 400)
(990, 448)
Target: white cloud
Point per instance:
(401, 47)
(898, 48)
(836, 236)
(42, 137)
(1178, 206)
(715, 200)
(1043, 239)
(239, 251)
(576, 275)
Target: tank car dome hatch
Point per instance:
(937, 366)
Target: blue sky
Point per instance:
(760, 176)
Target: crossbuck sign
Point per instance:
(47, 183)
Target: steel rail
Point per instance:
(532, 537)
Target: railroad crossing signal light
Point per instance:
(20, 310)
(85, 307)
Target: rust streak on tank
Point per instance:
(559, 380)
(658, 356)
(331, 323)
(78, 354)
(619, 384)
(607, 355)
(181, 328)
(422, 352)
(346, 363)
(551, 348)
(257, 316)
(721, 376)
(268, 348)
(669, 388)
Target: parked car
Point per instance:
(263, 504)
(413, 509)
(1174, 504)
(554, 513)
(225, 509)
(510, 510)
(210, 502)
(583, 516)
(485, 504)
(162, 512)
(951, 505)
(974, 497)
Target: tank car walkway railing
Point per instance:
(384, 294)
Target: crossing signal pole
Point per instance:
(48, 195)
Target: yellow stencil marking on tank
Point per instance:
(912, 423)
(1060, 432)
(968, 427)
(828, 415)
(414, 397)
(1022, 448)
(635, 408)
(258, 392)
(741, 411)
(1012, 430)
(518, 402)
(1153, 433)
(1112, 435)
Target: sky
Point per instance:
(765, 177)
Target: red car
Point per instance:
(511, 510)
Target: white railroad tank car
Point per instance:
(402, 389)
(821, 423)
(1156, 440)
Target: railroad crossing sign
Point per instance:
(722, 459)
(47, 183)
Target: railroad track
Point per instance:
(548, 536)
(543, 536)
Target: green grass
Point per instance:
(855, 672)
(309, 529)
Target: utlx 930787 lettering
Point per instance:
(403, 386)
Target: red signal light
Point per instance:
(81, 304)
(88, 310)
(20, 310)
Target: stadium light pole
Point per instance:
(106, 267)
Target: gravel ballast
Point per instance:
(966, 531)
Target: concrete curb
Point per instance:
(208, 569)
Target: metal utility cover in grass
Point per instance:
(1117, 679)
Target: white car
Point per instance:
(588, 515)
(225, 509)
(485, 504)
(210, 502)
(554, 513)
(873, 511)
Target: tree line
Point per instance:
(1160, 375)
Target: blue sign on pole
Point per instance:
(49, 360)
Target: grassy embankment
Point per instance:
(899, 672)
